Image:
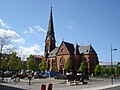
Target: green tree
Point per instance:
(3, 66)
(108, 70)
(111, 70)
(103, 70)
(19, 63)
(4, 63)
(42, 65)
(14, 62)
(68, 65)
(54, 68)
(24, 65)
(117, 71)
(98, 69)
(30, 63)
(83, 67)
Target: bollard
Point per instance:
(29, 78)
(29, 81)
(43, 87)
(50, 87)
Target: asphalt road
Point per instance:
(2, 87)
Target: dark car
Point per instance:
(60, 76)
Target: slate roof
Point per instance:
(74, 49)
(86, 50)
(70, 47)
(50, 26)
(53, 52)
(50, 32)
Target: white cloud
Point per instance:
(14, 37)
(31, 29)
(24, 52)
(18, 42)
(70, 26)
(3, 24)
(35, 28)
(39, 28)
(8, 49)
(25, 31)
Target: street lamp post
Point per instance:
(112, 65)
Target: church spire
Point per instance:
(50, 25)
(50, 37)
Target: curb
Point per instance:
(102, 87)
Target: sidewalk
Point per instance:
(93, 84)
(102, 87)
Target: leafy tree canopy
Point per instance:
(83, 67)
(117, 71)
(14, 62)
(103, 70)
(68, 65)
(42, 65)
(31, 64)
(98, 69)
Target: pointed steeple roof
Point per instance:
(50, 37)
(50, 25)
(76, 50)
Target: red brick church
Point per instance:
(57, 55)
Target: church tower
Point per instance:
(50, 37)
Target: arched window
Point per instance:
(62, 50)
(62, 63)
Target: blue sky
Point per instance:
(95, 22)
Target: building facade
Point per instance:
(57, 56)
(37, 60)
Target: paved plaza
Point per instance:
(93, 84)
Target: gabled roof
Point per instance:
(53, 52)
(74, 49)
(86, 50)
(70, 47)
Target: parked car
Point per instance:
(22, 74)
(60, 76)
(51, 73)
(7, 73)
(37, 74)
